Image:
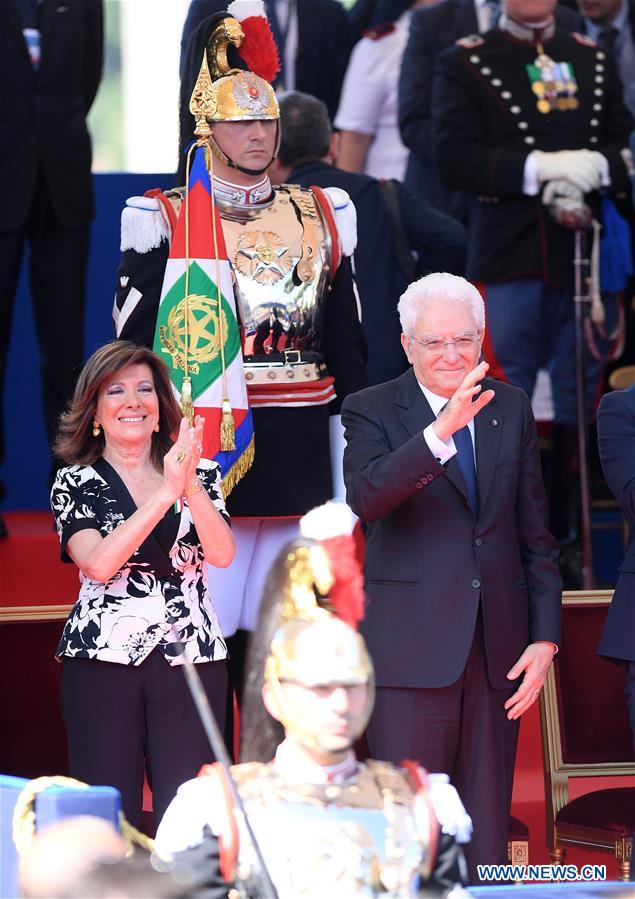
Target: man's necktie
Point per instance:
(607, 38)
(279, 38)
(465, 459)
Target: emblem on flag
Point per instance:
(197, 328)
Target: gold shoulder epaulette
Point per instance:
(470, 41)
(583, 39)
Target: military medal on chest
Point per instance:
(553, 83)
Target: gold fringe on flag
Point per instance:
(238, 470)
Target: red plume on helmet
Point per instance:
(347, 593)
(258, 49)
(331, 525)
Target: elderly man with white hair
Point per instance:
(463, 589)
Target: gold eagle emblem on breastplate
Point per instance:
(262, 256)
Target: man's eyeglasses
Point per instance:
(433, 347)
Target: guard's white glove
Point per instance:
(561, 188)
(587, 169)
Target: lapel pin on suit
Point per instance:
(494, 422)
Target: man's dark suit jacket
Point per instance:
(437, 239)
(324, 45)
(432, 30)
(616, 437)
(429, 562)
(631, 17)
(43, 114)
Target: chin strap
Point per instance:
(226, 160)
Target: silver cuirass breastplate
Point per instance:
(280, 255)
(358, 838)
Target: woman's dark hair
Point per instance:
(75, 444)
(260, 733)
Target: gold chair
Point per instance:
(586, 733)
(517, 842)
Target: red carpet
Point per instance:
(31, 573)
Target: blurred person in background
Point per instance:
(50, 69)
(344, 828)
(397, 233)
(528, 118)
(141, 514)
(616, 441)
(433, 30)
(367, 115)
(611, 24)
(313, 38)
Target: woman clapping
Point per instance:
(140, 513)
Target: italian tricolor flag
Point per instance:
(202, 327)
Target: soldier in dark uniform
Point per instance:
(303, 347)
(522, 114)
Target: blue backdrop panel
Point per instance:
(26, 467)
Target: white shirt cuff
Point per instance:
(606, 176)
(531, 185)
(442, 449)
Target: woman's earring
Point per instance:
(156, 428)
(96, 428)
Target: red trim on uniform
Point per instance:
(379, 31)
(274, 387)
(496, 370)
(228, 842)
(321, 392)
(168, 208)
(325, 208)
(418, 778)
(583, 39)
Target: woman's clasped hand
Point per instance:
(180, 462)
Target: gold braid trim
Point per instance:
(23, 821)
(133, 837)
(239, 470)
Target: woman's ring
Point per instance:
(180, 456)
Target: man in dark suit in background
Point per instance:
(616, 438)
(397, 233)
(611, 24)
(50, 68)
(463, 590)
(432, 30)
(313, 37)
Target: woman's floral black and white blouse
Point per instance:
(159, 597)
